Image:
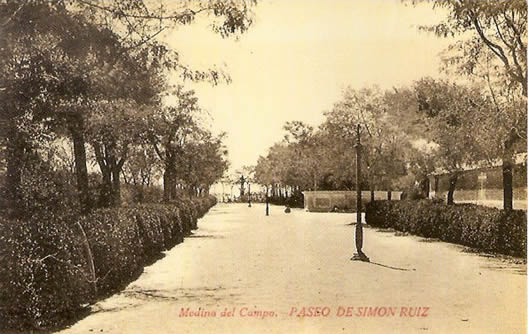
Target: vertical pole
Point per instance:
(359, 228)
(359, 255)
(249, 194)
(267, 202)
(242, 182)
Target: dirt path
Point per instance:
(241, 260)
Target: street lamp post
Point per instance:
(359, 255)
(267, 204)
(249, 194)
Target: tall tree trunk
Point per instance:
(426, 186)
(81, 171)
(168, 185)
(166, 181)
(105, 197)
(140, 193)
(116, 187)
(507, 175)
(372, 187)
(169, 181)
(453, 178)
(105, 193)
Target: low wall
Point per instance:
(483, 186)
(486, 197)
(325, 201)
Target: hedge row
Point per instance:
(487, 229)
(46, 275)
(295, 201)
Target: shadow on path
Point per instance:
(206, 236)
(390, 267)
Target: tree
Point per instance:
(249, 172)
(496, 28)
(113, 130)
(279, 168)
(203, 162)
(499, 26)
(191, 157)
(169, 131)
(71, 67)
(305, 155)
(141, 169)
(323, 158)
(60, 60)
(264, 172)
(448, 113)
(44, 74)
(383, 140)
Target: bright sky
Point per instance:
(298, 56)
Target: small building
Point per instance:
(326, 201)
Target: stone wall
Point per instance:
(325, 201)
(482, 186)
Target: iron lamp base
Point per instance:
(360, 257)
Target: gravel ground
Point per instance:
(243, 272)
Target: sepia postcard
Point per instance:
(263, 166)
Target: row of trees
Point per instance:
(431, 125)
(91, 76)
(324, 158)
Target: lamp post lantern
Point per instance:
(359, 255)
(242, 182)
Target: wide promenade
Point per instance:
(243, 272)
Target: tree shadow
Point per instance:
(137, 296)
(205, 236)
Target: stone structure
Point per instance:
(326, 201)
(483, 185)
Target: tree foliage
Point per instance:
(94, 73)
(325, 158)
(491, 47)
(497, 26)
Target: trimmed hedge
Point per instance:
(295, 201)
(484, 228)
(46, 276)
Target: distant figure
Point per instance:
(287, 210)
